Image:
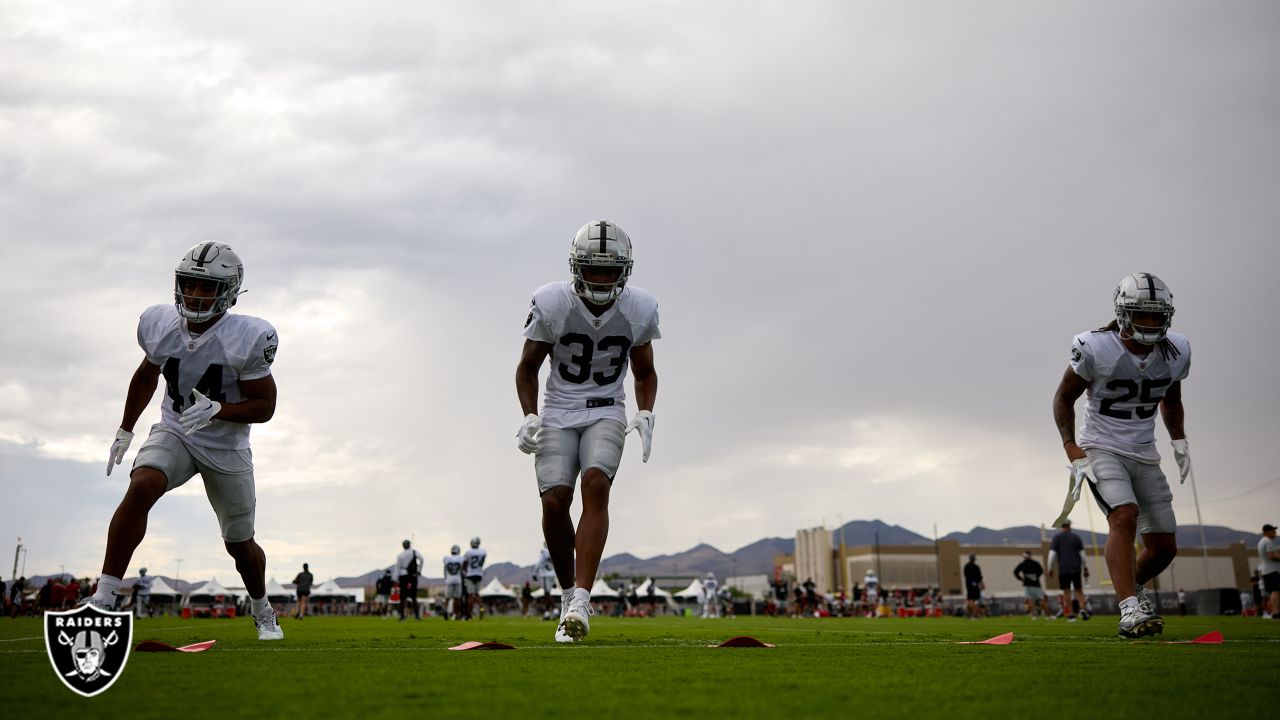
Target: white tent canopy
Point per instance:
(695, 591)
(555, 592)
(275, 591)
(642, 591)
(602, 590)
(330, 589)
(208, 593)
(496, 589)
(161, 589)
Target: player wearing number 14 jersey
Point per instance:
(1129, 370)
(216, 368)
(591, 329)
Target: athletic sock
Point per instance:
(106, 592)
(582, 595)
(259, 606)
(1129, 603)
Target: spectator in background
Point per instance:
(526, 599)
(72, 593)
(1182, 602)
(302, 583)
(1068, 549)
(58, 594)
(409, 566)
(382, 597)
(973, 587)
(1029, 572)
(15, 596)
(1269, 554)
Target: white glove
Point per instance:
(527, 436)
(119, 448)
(643, 421)
(1080, 471)
(200, 414)
(1182, 454)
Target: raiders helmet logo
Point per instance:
(88, 647)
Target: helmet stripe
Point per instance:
(204, 251)
(604, 235)
(1151, 286)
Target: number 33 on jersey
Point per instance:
(589, 354)
(236, 348)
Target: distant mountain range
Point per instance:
(758, 557)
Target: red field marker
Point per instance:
(1209, 638)
(743, 641)
(157, 646)
(474, 645)
(1004, 639)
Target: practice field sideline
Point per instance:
(632, 667)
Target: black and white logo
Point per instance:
(88, 647)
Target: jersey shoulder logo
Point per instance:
(269, 353)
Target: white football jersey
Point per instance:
(144, 583)
(453, 569)
(1124, 391)
(473, 562)
(236, 348)
(590, 354)
(545, 568)
(711, 585)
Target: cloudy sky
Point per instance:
(873, 228)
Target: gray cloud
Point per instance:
(873, 229)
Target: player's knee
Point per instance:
(595, 485)
(146, 485)
(557, 500)
(1123, 517)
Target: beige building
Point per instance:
(923, 566)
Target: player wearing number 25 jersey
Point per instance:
(1129, 371)
(216, 368)
(591, 329)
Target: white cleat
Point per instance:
(1134, 623)
(268, 628)
(561, 635)
(575, 622)
(94, 602)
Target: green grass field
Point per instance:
(632, 667)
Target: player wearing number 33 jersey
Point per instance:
(1130, 371)
(591, 329)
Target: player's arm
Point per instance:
(142, 386)
(258, 405)
(645, 376)
(532, 355)
(1171, 411)
(1069, 390)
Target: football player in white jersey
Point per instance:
(472, 575)
(452, 582)
(217, 371)
(590, 328)
(1128, 370)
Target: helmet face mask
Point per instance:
(600, 261)
(1144, 308)
(207, 281)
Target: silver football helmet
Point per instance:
(606, 248)
(213, 261)
(455, 550)
(475, 542)
(1143, 292)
